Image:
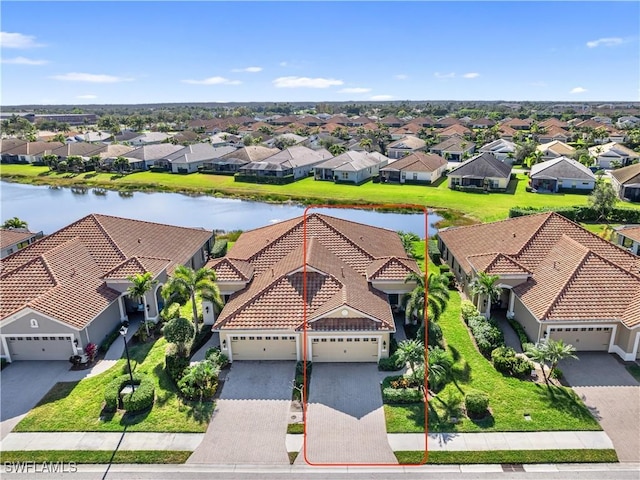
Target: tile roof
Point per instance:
(339, 255)
(630, 232)
(408, 143)
(252, 153)
(454, 144)
(10, 237)
(561, 167)
(627, 175)
(350, 160)
(232, 270)
(483, 165)
(497, 264)
(33, 148)
(417, 162)
(62, 275)
(557, 147)
(78, 148)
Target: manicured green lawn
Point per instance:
(550, 408)
(635, 371)
(509, 456)
(484, 207)
(96, 456)
(77, 406)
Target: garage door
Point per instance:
(344, 349)
(584, 339)
(273, 347)
(39, 347)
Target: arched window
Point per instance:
(34, 323)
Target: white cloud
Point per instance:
(382, 97)
(306, 82)
(213, 81)
(444, 75)
(247, 70)
(24, 61)
(354, 90)
(87, 97)
(605, 42)
(471, 75)
(578, 90)
(401, 76)
(18, 40)
(90, 78)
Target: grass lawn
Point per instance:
(77, 406)
(509, 456)
(550, 408)
(484, 207)
(97, 456)
(635, 371)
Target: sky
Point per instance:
(155, 51)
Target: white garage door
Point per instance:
(344, 349)
(263, 347)
(41, 347)
(584, 339)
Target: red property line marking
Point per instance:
(305, 327)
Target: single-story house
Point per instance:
(628, 236)
(561, 174)
(68, 289)
(613, 151)
(231, 163)
(349, 167)
(558, 280)
(554, 133)
(298, 161)
(146, 156)
(454, 149)
(555, 149)
(484, 171)
(149, 138)
(189, 158)
(419, 167)
(628, 121)
(459, 130)
(13, 239)
(405, 146)
(626, 182)
(506, 132)
(80, 149)
(502, 149)
(405, 130)
(481, 123)
(29, 152)
(352, 275)
(115, 150)
(553, 122)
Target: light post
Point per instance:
(123, 332)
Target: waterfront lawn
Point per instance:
(77, 406)
(550, 408)
(483, 207)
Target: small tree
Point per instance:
(141, 284)
(179, 331)
(603, 199)
(411, 352)
(484, 285)
(15, 223)
(550, 352)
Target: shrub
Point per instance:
(174, 363)
(169, 312)
(393, 346)
(556, 373)
(109, 339)
(179, 331)
(476, 404)
(215, 356)
(141, 399)
(300, 368)
(401, 395)
(219, 248)
(487, 335)
(519, 329)
(450, 280)
(390, 364)
(141, 334)
(444, 268)
(199, 382)
(91, 350)
(468, 310)
(434, 251)
(521, 367)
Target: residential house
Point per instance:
(68, 289)
(391, 122)
(506, 132)
(481, 123)
(146, 156)
(7, 144)
(297, 161)
(405, 146)
(555, 149)
(410, 129)
(231, 163)
(626, 182)
(628, 236)
(559, 281)
(503, 150)
(554, 133)
(29, 152)
(417, 168)
(94, 137)
(484, 171)
(628, 121)
(319, 279)
(454, 149)
(349, 167)
(223, 139)
(610, 152)
(13, 239)
(445, 122)
(188, 159)
(150, 138)
(453, 130)
(113, 151)
(285, 138)
(80, 149)
(561, 174)
(426, 122)
(553, 122)
(518, 123)
(358, 121)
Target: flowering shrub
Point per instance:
(91, 350)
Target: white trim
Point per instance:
(343, 307)
(346, 335)
(4, 336)
(634, 352)
(309, 269)
(5, 349)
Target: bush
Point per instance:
(109, 339)
(476, 404)
(169, 312)
(300, 368)
(219, 248)
(215, 356)
(179, 331)
(556, 373)
(174, 363)
(487, 335)
(199, 382)
(401, 395)
(450, 279)
(390, 364)
(91, 350)
(583, 213)
(434, 251)
(468, 310)
(141, 399)
(141, 334)
(444, 268)
(519, 329)
(239, 177)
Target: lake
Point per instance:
(49, 209)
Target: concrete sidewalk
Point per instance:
(397, 441)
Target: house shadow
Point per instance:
(512, 187)
(438, 182)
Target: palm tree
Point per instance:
(484, 285)
(411, 352)
(550, 352)
(186, 282)
(366, 143)
(437, 293)
(440, 365)
(337, 149)
(120, 163)
(141, 284)
(14, 224)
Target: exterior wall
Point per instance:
(101, 326)
(526, 319)
(45, 326)
(393, 287)
(624, 339)
(568, 183)
(415, 176)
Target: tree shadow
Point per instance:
(567, 401)
(118, 176)
(168, 388)
(90, 175)
(136, 417)
(139, 352)
(485, 422)
(46, 174)
(201, 412)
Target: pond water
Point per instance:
(49, 209)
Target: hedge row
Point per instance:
(401, 395)
(219, 248)
(238, 177)
(391, 364)
(582, 213)
(519, 329)
(141, 399)
(434, 251)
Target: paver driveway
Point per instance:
(22, 386)
(345, 418)
(612, 395)
(249, 424)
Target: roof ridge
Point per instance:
(109, 238)
(124, 262)
(342, 235)
(535, 233)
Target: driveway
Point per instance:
(612, 395)
(22, 386)
(345, 418)
(249, 424)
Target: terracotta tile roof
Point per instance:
(33, 148)
(631, 232)
(345, 325)
(231, 270)
(506, 130)
(69, 266)
(627, 175)
(454, 130)
(10, 237)
(417, 162)
(556, 146)
(497, 264)
(391, 268)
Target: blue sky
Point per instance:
(145, 52)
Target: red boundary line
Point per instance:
(304, 317)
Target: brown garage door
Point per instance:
(263, 347)
(584, 338)
(41, 347)
(344, 349)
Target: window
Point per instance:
(365, 339)
(323, 339)
(332, 339)
(292, 338)
(252, 338)
(243, 338)
(349, 339)
(34, 323)
(234, 338)
(315, 340)
(341, 340)
(356, 339)
(374, 340)
(345, 175)
(415, 176)
(258, 338)
(267, 338)
(28, 338)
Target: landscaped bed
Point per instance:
(78, 406)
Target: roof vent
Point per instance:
(556, 265)
(514, 234)
(139, 240)
(342, 271)
(273, 273)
